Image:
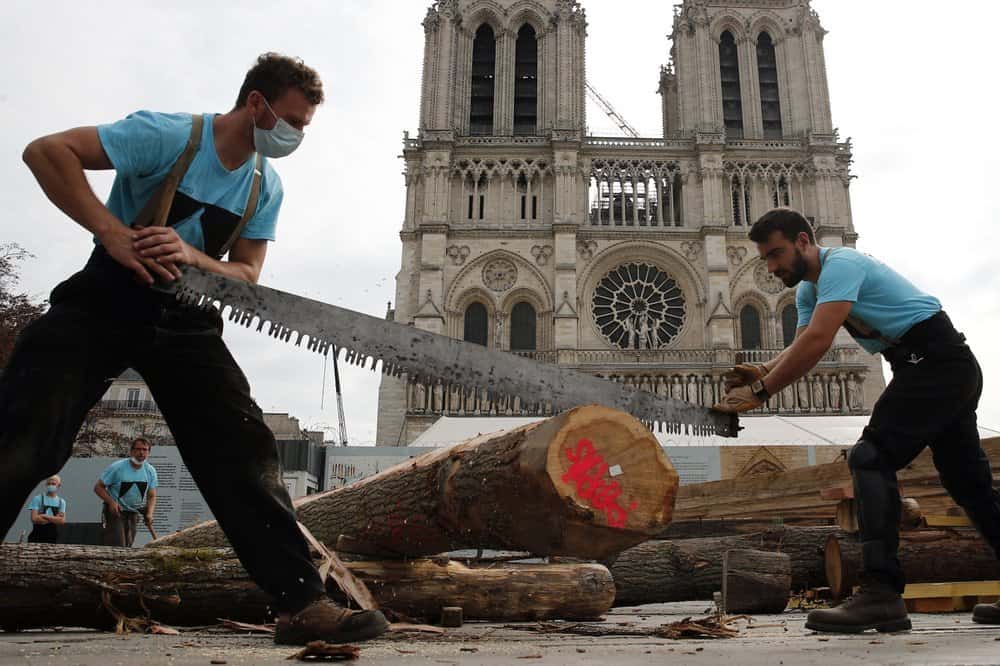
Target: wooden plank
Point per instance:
(944, 520)
(971, 588)
(840, 492)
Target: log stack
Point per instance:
(587, 483)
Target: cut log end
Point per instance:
(610, 467)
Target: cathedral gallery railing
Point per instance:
(695, 375)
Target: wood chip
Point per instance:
(323, 651)
(403, 627)
(245, 626)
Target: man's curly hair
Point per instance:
(275, 73)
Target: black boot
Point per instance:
(876, 606)
(986, 613)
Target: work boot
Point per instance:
(325, 620)
(876, 606)
(986, 613)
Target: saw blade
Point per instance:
(428, 357)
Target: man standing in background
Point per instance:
(47, 511)
(128, 489)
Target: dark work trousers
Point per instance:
(102, 321)
(931, 401)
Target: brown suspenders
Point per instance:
(154, 213)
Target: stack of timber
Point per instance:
(794, 494)
(45, 585)
(587, 483)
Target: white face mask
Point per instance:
(51, 489)
(278, 141)
(136, 461)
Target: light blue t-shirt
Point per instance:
(128, 485)
(40, 502)
(882, 298)
(210, 199)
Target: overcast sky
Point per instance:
(912, 90)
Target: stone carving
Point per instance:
(541, 253)
(835, 393)
(802, 393)
(458, 254)
(819, 396)
(767, 282)
(788, 397)
(638, 306)
(586, 249)
(736, 255)
(854, 398)
(691, 249)
(499, 274)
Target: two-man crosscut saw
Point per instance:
(427, 357)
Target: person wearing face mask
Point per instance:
(195, 190)
(48, 510)
(128, 489)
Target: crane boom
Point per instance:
(606, 107)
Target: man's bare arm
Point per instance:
(38, 518)
(58, 162)
(246, 258)
(150, 503)
(809, 345)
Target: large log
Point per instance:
(795, 493)
(45, 585)
(927, 556)
(755, 581)
(587, 483)
(691, 569)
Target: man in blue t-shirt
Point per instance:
(106, 318)
(128, 490)
(931, 401)
(48, 510)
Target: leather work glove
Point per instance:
(739, 399)
(743, 375)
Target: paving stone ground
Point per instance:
(777, 639)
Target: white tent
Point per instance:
(756, 431)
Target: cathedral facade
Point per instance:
(625, 257)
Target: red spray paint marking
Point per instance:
(587, 472)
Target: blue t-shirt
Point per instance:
(210, 199)
(128, 485)
(40, 503)
(882, 298)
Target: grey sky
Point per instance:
(910, 89)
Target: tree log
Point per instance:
(927, 556)
(61, 585)
(588, 483)
(755, 581)
(691, 569)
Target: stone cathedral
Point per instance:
(625, 257)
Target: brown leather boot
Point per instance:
(986, 613)
(325, 620)
(876, 606)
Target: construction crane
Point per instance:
(340, 400)
(606, 107)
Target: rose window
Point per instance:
(638, 306)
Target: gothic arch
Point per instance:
(541, 303)
(665, 257)
(765, 21)
(531, 12)
(760, 304)
(529, 277)
(730, 22)
(483, 11)
(456, 314)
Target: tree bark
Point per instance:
(587, 483)
(691, 569)
(927, 556)
(755, 581)
(43, 585)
